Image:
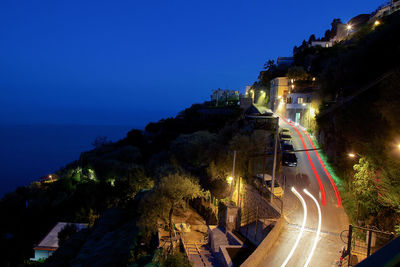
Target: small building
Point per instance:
(324, 44)
(298, 105)
(386, 9)
(49, 243)
(278, 91)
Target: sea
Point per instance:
(28, 152)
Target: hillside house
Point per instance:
(49, 243)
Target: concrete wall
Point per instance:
(262, 251)
(234, 242)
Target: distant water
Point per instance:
(28, 152)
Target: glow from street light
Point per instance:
(377, 22)
(351, 155)
(349, 27)
(303, 203)
(312, 112)
(304, 104)
(230, 179)
(398, 146)
(318, 229)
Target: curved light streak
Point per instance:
(318, 229)
(303, 203)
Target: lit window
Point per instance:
(299, 100)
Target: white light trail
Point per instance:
(318, 229)
(303, 203)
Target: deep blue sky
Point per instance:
(128, 62)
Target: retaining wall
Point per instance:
(264, 248)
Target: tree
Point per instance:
(327, 35)
(270, 64)
(174, 189)
(66, 233)
(170, 193)
(297, 73)
(311, 39)
(365, 185)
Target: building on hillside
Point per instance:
(386, 9)
(298, 106)
(324, 44)
(49, 243)
(223, 96)
(278, 90)
(350, 28)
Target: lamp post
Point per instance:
(275, 158)
(233, 173)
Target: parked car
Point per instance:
(284, 131)
(286, 146)
(286, 136)
(278, 190)
(289, 159)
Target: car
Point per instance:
(284, 131)
(286, 146)
(266, 176)
(278, 190)
(289, 159)
(286, 137)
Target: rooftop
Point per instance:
(50, 241)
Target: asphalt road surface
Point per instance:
(311, 175)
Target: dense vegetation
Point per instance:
(123, 189)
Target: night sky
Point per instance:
(129, 62)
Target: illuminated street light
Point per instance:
(304, 104)
(349, 27)
(352, 155)
(398, 146)
(230, 179)
(312, 112)
(377, 22)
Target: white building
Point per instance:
(298, 105)
(49, 243)
(324, 44)
(278, 91)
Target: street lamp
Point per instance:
(349, 27)
(352, 155)
(377, 22)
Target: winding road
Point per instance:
(310, 174)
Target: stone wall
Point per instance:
(252, 200)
